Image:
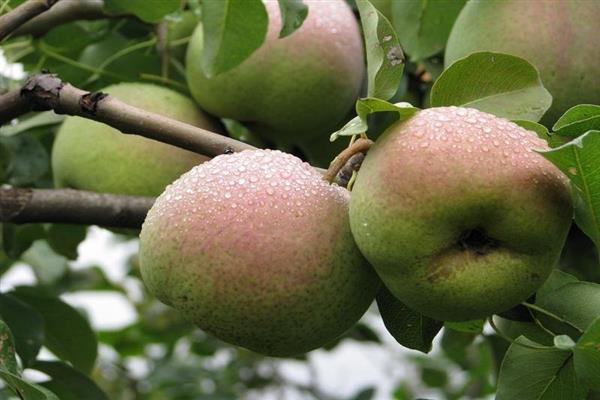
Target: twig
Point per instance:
(48, 92)
(70, 206)
(23, 13)
(62, 13)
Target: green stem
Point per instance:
(548, 313)
(166, 81)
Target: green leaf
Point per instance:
(68, 383)
(28, 159)
(385, 59)
(539, 129)
(8, 360)
(367, 106)
(26, 390)
(537, 373)
(578, 303)
(578, 159)
(364, 394)
(26, 324)
(556, 280)
(293, 13)
(474, 326)
(423, 26)
(68, 333)
(65, 238)
(42, 119)
(587, 356)
(410, 328)
(240, 132)
(434, 377)
(48, 266)
(563, 342)
(500, 84)
(233, 30)
(146, 10)
(16, 239)
(578, 120)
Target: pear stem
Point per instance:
(341, 162)
(550, 314)
(511, 340)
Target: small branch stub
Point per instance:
(341, 168)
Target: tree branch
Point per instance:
(62, 13)
(20, 206)
(23, 13)
(48, 92)
(13, 105)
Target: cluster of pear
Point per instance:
(453, 209)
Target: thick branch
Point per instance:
(70, 206)
(46, 91)
(23, 13)
(13, 105)
(62, 13)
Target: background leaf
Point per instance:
(385, 59)
(233, 29)
(423, 26)
(293, 13)
(410, 328)
(68, 333)
(147, 10)
(26, 324)
(501, 84)
(68, 383)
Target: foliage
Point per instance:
(182, 362)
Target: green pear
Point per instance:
(177, 30)
(458, 214)
(89, 155)
(558, 37)
(292, 88)
(256, 249)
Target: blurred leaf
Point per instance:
(26, 324)
(8, 360)
(423, 26)
(578, 303)
(68, 383)
(26, 390)
(474, 326)
(556, 280)
(36, 120)
(48, 266)
(385, 59)
(410, 328)
(587, 356)
(28, 159)
(65, 238)
(364, 394)
(16, 239)
(500, 84)
(293, 13)
(240, 132)
(537, 373)
(233, 30)
(367, 106)
(91, 278)
(578, 120)
(146, 10)
(434, 377)
(66, 38)
(456, 344)
(578, 159)
(68, 333)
